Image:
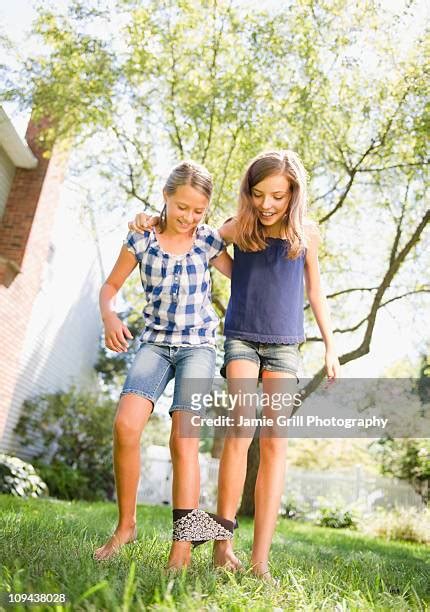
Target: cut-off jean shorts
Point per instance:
(193, 369)
(270, 357)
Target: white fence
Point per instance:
(350, 487)
(346, 486)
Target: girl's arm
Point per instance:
(116, 333)
(318, 303)
(143, 222)
(228, 230)
(223, 263)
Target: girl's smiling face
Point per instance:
(271, 198)
(185, 209)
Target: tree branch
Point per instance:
(132, 190)
(374, 144)
(399, 227)
(408, 165)
(212, 71)
(235, 136)
(219, 305)
(360, 323)
(324, 195)
(343, 291)
(173, 91)
(364, 347)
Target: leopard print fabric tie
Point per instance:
(198, 526)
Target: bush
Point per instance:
(409, 524)
(20, 478)
(75, 430)
(334, 516)
(322, 512)
(65, 482)
(294, 508)
(408, 459)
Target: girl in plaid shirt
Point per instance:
(178, 341)
(275, 249)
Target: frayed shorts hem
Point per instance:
(185, 409)
(223, 370)
(284, 370)
(265, 369)
(139, 393)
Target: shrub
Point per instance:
(334, 516)
(20, 478)
(65, 482)
(408, 459)
(410, 524)
(75, 430)
(294, 508)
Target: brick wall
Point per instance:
(25, 229)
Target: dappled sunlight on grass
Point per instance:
(48, 547)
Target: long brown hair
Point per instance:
(250, 235)
(186, 173)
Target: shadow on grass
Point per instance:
(48, 545)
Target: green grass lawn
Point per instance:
(46, 547)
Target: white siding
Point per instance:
(7, 172)
(62, 338)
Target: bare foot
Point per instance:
(120, 537)
(223, 556)
(262, 571)
(179, 557)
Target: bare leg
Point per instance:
(186, 483)
(131, 417)
(268, 491)
(232, 467)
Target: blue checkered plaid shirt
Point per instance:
(177, 288)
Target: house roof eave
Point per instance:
(16, 149)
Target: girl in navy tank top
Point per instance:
(275, 254)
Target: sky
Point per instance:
(395, 338)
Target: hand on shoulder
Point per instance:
(228, 230)
(143, 222)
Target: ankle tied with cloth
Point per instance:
(197, 526)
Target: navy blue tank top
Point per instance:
(266, 303)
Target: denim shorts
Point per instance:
(270, 357)
(193, 369)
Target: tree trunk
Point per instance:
(217, 446)
(247, 507)
(219, 435)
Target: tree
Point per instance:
(211, 81)
(408, 460)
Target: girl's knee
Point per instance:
(125, 430)
(237, 444)
(183, 449)
(273, 446)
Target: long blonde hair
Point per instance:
(250, 235)
(186, 173)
